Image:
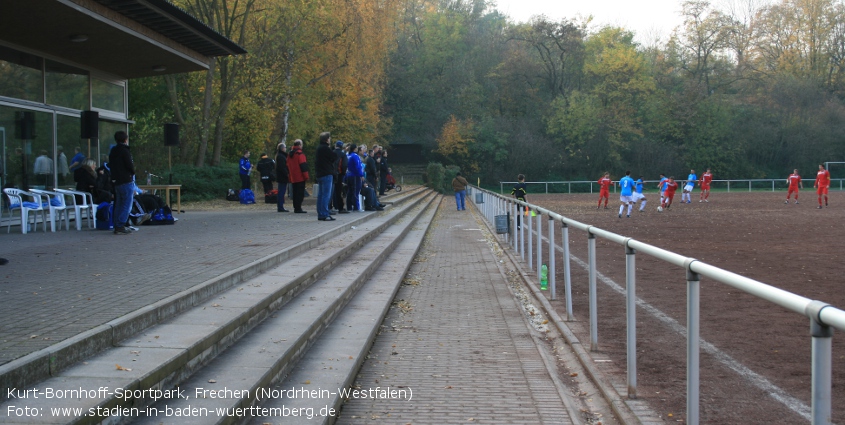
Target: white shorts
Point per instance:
(637, 196)
(626, 199)
(688, 188)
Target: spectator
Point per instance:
(122, 174)
(459, 185)
(266, 168)
(298, 168)
(342, 163)
(61, 165)
(43, 169)
(77, 159)
(282, 175)
(354, 175)
(325, 167)
(370, 202)
(86, 179)
(383, 171)
(244, 169)
(371, 171)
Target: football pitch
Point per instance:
(758, 367)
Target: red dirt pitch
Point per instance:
(797, 248)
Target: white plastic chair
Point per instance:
(87, 204)
(55, 202)
(16, 202)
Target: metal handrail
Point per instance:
(824, 317)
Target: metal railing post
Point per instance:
(567, 278)
(729, 186)
(693, 346)
(552, 247)
(822, 367)
(594, 314)
(521, 231)
(539, 241)
(513, 209)
(527, 220)
(631, 309)
(547, 188)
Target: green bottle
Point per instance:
(544, 278)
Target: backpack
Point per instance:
(246, 196)
(160, 216)
(232, 195)
(105, 216)
(271, 197)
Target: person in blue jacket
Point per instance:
(244, 170)
(354, 179)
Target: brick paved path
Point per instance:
(58, 285)
(455, 336)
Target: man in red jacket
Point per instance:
(298, 168)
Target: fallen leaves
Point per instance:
(119, 367)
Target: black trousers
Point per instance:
(337, 198)
(298, 190)
(244, 181)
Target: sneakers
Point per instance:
(144, 218)
(700, 201)
(787, 201)
(620, 215)
(282, 210)
(300, 212)
(796, 201)
(343, 212)
(329, 218)
(819, 207)
(125, 231)
(629, 215)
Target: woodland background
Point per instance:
(751, 89)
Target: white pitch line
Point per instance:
(754, 378)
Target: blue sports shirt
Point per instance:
(639, 186)
(691, 179)
(627, 185)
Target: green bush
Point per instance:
(451, 172)
(434, 175)
(204, 183)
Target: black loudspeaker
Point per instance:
(171, 134)
(24, 125)
(90, 125)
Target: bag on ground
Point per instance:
(246, 196)
(105, 214)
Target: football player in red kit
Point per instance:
(604, 193)
(671, 187)
(822, 184)
(706, 178)
(794, 181)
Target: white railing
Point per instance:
(824, 317)
(745, 185)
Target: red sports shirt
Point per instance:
(793, 180)
(671, 187)
(706, 179)
(823, 179)
(604, 182)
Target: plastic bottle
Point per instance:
(544, 278)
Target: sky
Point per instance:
(646, 18)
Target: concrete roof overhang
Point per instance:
(125, 38)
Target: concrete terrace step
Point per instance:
(43, 363)
(369, 279)
(331, 365)
(175, 349)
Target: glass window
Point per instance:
(27, 151)
(108, 96)
(107, 130)
(66, 86)
(20, 75)
(69, 148)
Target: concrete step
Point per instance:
(329, 368)
(168, 352)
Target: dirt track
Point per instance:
(793, 247)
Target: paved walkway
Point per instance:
(58, 285)
(456, 338)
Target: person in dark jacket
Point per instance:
(382, 171)
(282, 175)
(298, 168)
(123, 178)
(326, 167)
(342, 162)
(266, 168)
(86, 180)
